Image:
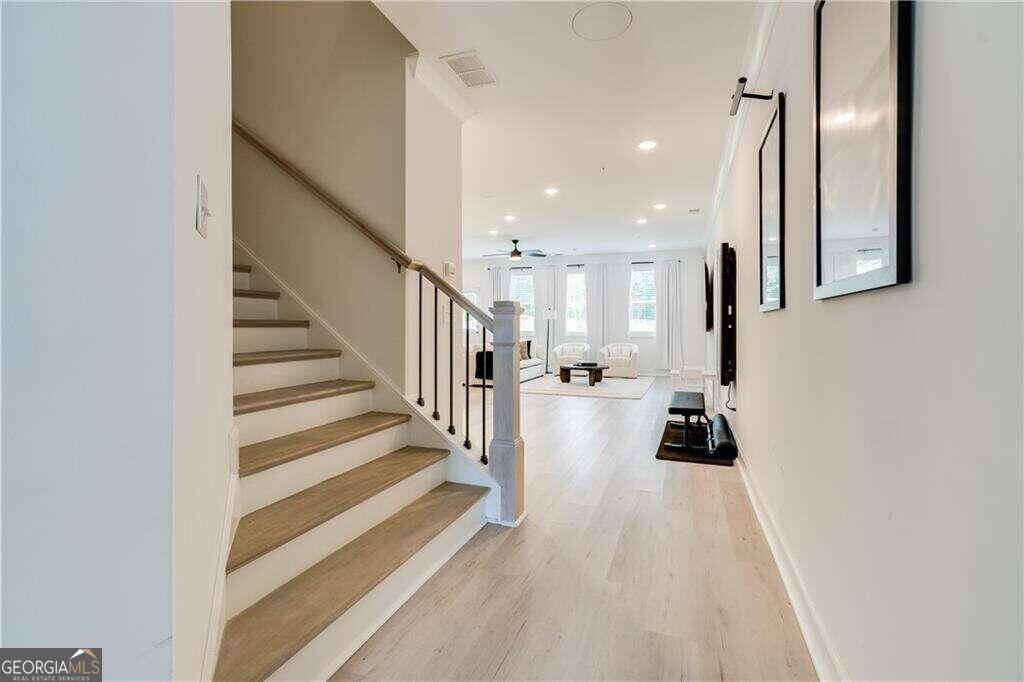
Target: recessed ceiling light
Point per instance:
(652, 246)
(551, 191)
(492, 232)
(647, 145)
(641, 221)
(845, 117)
(660, 206)
(509, 218)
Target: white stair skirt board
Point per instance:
(578, 386)
(252, 378)
(319, 659)
(256, 427)
(240, 280)
(251, 582)
(252, 339)
(276, 483)
(254, 308)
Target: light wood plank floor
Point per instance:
(626, 567)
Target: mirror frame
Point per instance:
(777, 122)
(901, 15)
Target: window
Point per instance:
(642, 303)
(473, 324)
(520, 289)
(576, 303)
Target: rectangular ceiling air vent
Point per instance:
(468, 67)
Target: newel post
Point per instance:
(507, 450)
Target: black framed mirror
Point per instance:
(862, 136)
(771, 205)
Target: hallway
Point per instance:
(625, 567)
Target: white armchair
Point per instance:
(570, 352)
(622, 359)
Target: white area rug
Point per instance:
(610, 387)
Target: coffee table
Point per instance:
(595, 373)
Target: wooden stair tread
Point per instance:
(241, 268)
(262, 638)
(289, 395)
(256, 293)
(267, 357)
(271, 323)
(268, 528)
(270, 453)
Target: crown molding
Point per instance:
(426, 71)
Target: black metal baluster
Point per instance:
(419, 400)
(451, 366)
(468, 444)
(436, 415)
(483, 398)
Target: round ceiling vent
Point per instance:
(601, 21)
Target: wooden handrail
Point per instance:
(393, 251)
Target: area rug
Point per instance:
(610, 387)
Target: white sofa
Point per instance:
(531, 368)
(622, 359)
(570, 352)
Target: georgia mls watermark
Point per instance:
(51, 665)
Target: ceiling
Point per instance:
(568, 113)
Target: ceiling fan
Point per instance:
(516, 254)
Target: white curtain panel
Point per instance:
(595, 275)
(616, 311)
(668, 282)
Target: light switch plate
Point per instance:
(202, 207)
(449, 269)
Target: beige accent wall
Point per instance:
(881, 431)
(324, 83)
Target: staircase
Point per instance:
(342, 517)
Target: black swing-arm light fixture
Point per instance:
(737, 96)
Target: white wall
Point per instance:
(202, 329)
(325, 84)
(882, 430)
(477, 279)
(433, 224)
(87, 323)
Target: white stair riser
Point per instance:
(254, 339)
(251, 378)
(240, 280)
(319, 659)
(250, 583)
(276, 483)
(280, 421)
(255, 308)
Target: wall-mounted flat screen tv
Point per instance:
(727, 315)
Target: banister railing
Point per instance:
(506, 459)
(393, 251)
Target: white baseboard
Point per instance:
(823, 655)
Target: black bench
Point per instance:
(686, 405)
(704, 442)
